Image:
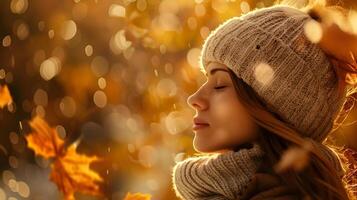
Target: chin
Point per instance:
(204, 148)
(199, 149)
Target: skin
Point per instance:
(229, 122)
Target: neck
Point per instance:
(246, 145)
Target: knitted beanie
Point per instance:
(267, 48)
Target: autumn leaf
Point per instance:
(334, 23)
(44, 140)
(337, 39)
(296, 158)
(137, 196)
(5, 97)
(69, 170)
(72, 171)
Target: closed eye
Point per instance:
(219, 87)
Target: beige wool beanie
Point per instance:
(268, 49)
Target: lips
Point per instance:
(199, 124)
(197, 120)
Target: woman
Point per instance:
(269, 89)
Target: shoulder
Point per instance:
(266, 184)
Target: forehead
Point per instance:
(214, 67)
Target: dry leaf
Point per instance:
(338, 41)
(295, 158)
(137, 196)
(44, 140)
(334, 24)
(70, 170)
(5, 97)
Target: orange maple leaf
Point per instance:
(137, 196)
(5, 97)
(45, 140)
(70, 170)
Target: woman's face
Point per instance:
(216, 104)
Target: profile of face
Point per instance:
(216, 104)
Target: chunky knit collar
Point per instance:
(217, 176)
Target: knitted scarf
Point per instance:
(219, 176)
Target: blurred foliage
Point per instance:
(113, 78)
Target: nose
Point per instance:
(197, 101)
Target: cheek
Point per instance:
(231, 119)
(225, 107)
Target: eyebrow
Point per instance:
(213, 71)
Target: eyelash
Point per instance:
(219, 87)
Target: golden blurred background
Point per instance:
(114, 77)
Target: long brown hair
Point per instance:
(319, 180)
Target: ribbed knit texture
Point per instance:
(267, 48)
(217, 176)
